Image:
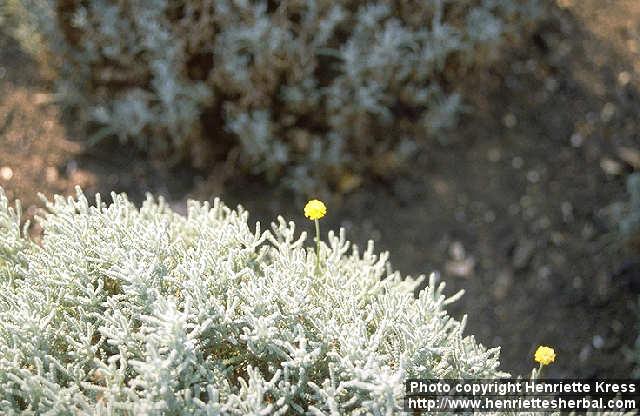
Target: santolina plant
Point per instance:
(120, 310)
(314, 91)
(143, 311)
(314, 210)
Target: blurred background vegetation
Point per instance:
(493, 141)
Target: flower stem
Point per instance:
(317, 247)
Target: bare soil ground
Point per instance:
(516, 207)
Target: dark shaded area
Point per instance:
(16, 66)
(518, 192)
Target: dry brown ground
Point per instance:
(37, 153)
(516, 209)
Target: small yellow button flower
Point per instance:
(545, 355)
(314, 210)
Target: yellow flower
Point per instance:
(314, 210)
(545, 355)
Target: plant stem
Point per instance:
(317, 247)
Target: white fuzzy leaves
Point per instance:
(148, 312)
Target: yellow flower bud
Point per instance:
(314, 210)
(545, 355)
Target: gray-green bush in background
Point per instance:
(629, 216)
(630, 221)
(312, 90)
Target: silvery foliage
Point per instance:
(315, 87)
(143, 311)
(120, 310)
(630, 221)
(629, 224)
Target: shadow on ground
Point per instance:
(513, 209)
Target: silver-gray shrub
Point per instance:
(119, 310)
(630, 214)
(308, 89)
